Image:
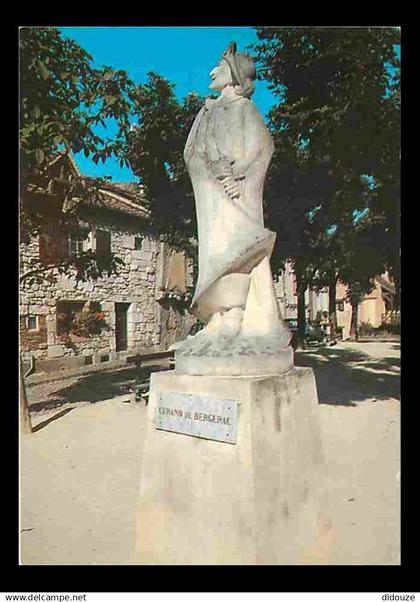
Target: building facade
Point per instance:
(374, 309)
(139, 309)
(286, 291)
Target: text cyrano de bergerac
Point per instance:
(200, 416)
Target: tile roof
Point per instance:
(115, 199)
(124, 197)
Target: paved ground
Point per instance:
(80, 473)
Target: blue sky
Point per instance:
(184, 55)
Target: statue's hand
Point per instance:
(231, 187)
(238, 169)
(222, 170)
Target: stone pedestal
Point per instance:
(258, 501)
(223, 356)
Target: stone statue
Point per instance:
(227, 153)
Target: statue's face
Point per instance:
(221, 76)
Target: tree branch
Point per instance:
(40, 270)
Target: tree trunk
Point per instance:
(353, 321)
(301, 315)
(25, 418)
(332, 289)
(396, 304)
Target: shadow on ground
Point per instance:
(345, 376)
(97, 387)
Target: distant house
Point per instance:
(376, 308)
(137, 310)
(286, 291)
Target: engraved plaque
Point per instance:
(197, 416)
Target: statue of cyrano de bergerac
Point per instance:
(227, 153)
(234, 381)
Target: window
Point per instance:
(339, 305)
(66, 313)
(32, 322)
(76, 244)
(138, 241)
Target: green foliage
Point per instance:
(155, 154)
(85, 323)
(337, 92)
(88, 323)
(62, 101)
(357, 289)
(336, 129)
(366, 329)
(389, 328)
(84, 266)
(63, 98)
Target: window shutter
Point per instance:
(103, 243)
(294, 284)
(52, 248)
(43, 249)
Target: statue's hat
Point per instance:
(242, 67)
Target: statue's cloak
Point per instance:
(231, 234)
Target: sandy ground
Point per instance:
(80, 473)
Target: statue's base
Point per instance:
(223, 356)
(258, 501)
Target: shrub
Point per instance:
(366, 329)
(88, 323)
(392, 328)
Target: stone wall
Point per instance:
(137, 284)
(174, 274)
(175, 325)
(34, 340)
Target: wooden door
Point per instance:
(121, 339)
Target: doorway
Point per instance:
(121, 336)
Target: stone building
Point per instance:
(374, 309)
(139, 310)
(286, 292)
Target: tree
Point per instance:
(296, 207)
(156, 156)
(356, 292)
(63, 99)
(63, 102)
(338, 112)
(342, 253)
(331, 247)
(362, 263)
(24, 414)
